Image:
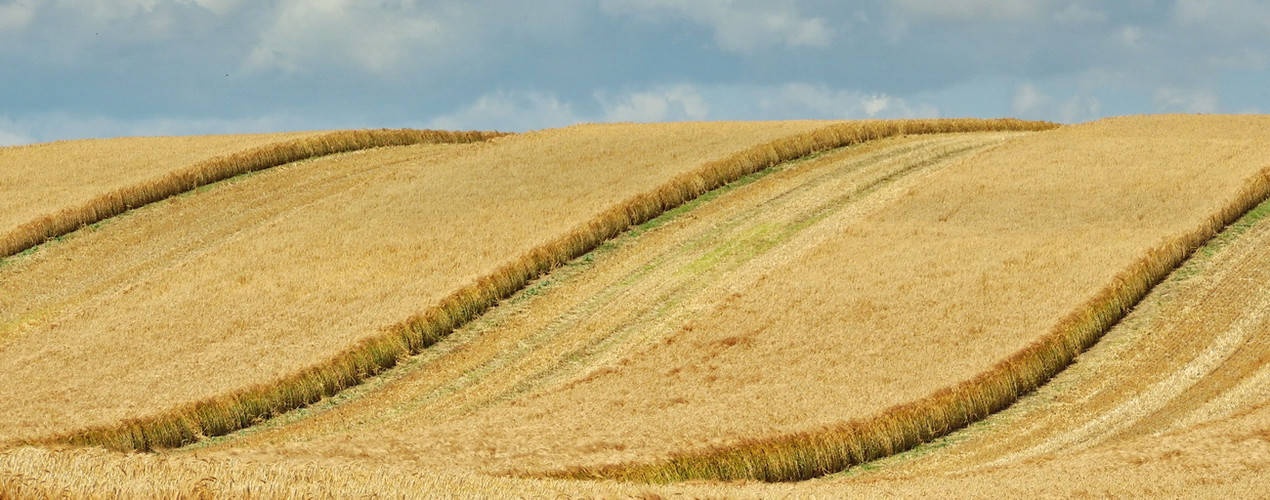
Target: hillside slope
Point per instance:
(590, 319)
(829, 295)
(263, 278)
(1193, 359)
(41, 179)
(49, 190)
(919, 291)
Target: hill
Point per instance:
(812, 316)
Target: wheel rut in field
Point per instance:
(355, 268)
(582, 319)
(1196, 350)
(163, 250)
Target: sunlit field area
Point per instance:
(829, 309)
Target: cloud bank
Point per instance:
(91, 68)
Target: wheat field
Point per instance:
(1193, 354)
(52, 189)
(276, 281)
(559, 330)
(816, 314)
(40, 179)
(628, 302)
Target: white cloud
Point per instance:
(109, 10)
(678, 103)
(1178, 100)
(738, 26)
(1079, 14)
(1232, 34)
(11, 139)
(1131, 36)
(513, 111)
(390, 61)
(11, 134)
(803, 100)
(974, 10)
(1031, 102)
(1028, 100)
(529, 110)
(16, 16)
(1226, 18)
(46, 127)
(1079, 109)
(64, 31)
(319, 34)
(219, 7)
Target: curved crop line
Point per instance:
(217, 169)
(833, 449)
(240, 409)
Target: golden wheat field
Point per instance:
(41, 179)
(969, 308)
(54, 188)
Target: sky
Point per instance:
(105, 68)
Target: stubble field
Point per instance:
(816, 314)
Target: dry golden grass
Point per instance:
(48, 190)
(652, 167)
(1223, 455)
(1194, 351)
(1103, 207)
(887, 325)
(1014, 262)
(41, 179)
(309, 293)
(1228, 458)
(581, 320)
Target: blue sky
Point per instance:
(102, 68)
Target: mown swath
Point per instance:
(240, 409)
(812, 454)
(110, 204)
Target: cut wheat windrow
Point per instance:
(41, 179)
(306, 291)
(582, 320)
(873, 329)
(821, 313)
(284, 269)
(971, 290)
(48, 190)
(1195, 353)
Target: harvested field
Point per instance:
(632, 296)
(828, 311)
(1192, 359)
(42, 179)
(954, 271)
(1225, 459)
(379, 237)
(48, 190)
(291, 274)
(579, 321)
